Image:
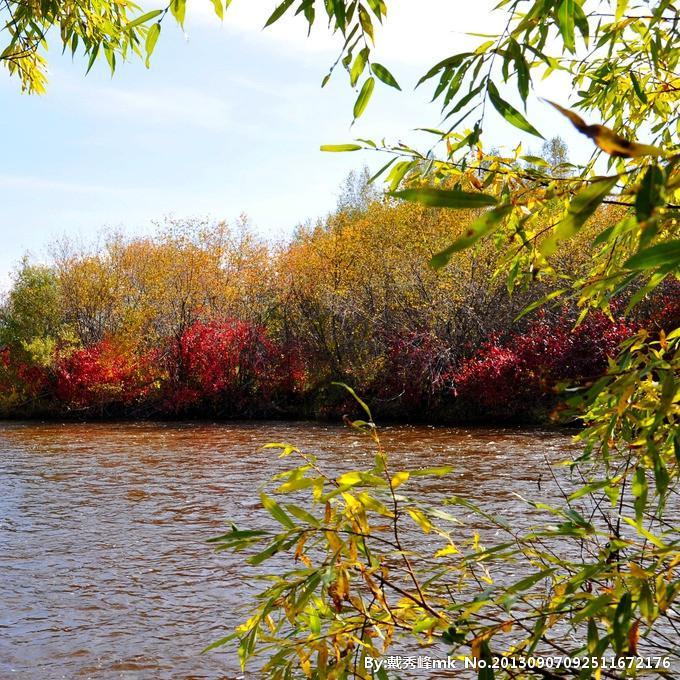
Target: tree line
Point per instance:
(206, 319)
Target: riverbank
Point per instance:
(199, 321)
(228, 369)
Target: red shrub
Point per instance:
(665, 307)
(231, 365)
(416, 366)
(101, 375)
(22, 380)
(513, 378)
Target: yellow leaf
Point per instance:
(623, 401)
(637, 571)
(420, 519)
(607, 139)
(448, 550)
(349, 478)
(300, 546)
(399, 479)
(343, 584)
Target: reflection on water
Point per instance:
(104, 569)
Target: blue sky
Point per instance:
(227, 121)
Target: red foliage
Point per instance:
(101, 375)
(232, 365)
(417, 364)
(665, 308)
(511, 378)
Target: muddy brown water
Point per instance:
(104, 568)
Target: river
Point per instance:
(104, 568)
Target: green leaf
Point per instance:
(278, 12)
(358, 66)
(110, 58)
(366, 23)
(436, 471)
(236, 536)
(621, 622)
(589, 489)
(486, 671)
(662, 254)
(594, 606)
(358, 399)
(383, 169)
(539, 303)
(536, 160)
(303, 515)
(620, 9)
(220, 642)
(336, 148)
(144, 18)
(151, 40)
(510, 113)
(652, 538)
(339, 13)
(446, 198)
(266, 553)
(449, 62)
(582, 206)
(295, 485)
(384, 75)
(639, 489)
(638, 90)
(276, 511)
(93, 57)
(464, 101)
(350, 479)
(398, 172)
(178, 9)
(649, 195)
(378, 7)
(526, 583)
(565, 18)
(364, 97)
(480, 227)
(219, 8)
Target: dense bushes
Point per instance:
(222, 367)
(518, 377)
(102, 378)
(205, 321)
(228, 367)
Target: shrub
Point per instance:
(102, 376)
(230, 367)
(22, 383)
(414, 373)
(516, 377)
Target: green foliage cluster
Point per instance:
(30, 319)
(593, 581)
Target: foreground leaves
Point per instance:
(351, 580)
